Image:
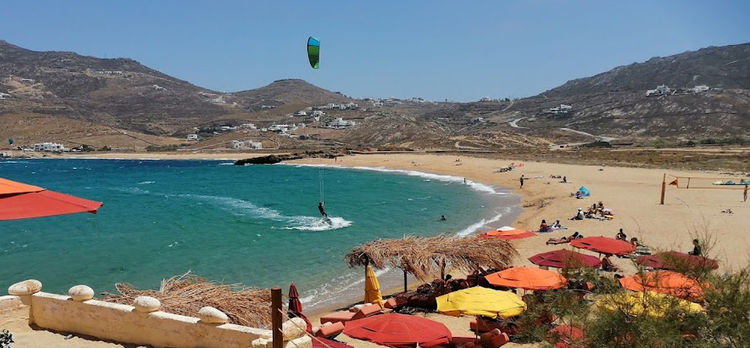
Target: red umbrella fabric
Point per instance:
(398, 330)
(604, 245)
(561, 258)
(672, 260)
(320, 342)
(565, 336)
(21, 201)
(295, 305)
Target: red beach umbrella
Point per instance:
(528, 278)
(398, 330)
(22, 201)
(565, 336)
(561, 258)
(295, 305)
(604, 245)
(674, 259)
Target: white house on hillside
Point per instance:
(340, 123)
(53, 147)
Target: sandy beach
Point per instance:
(632, 193)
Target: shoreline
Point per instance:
(633, 194)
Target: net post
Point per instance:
(278, 339)
(663, 187)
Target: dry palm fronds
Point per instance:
(423, 257)
(187, 293)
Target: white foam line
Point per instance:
(476, 186)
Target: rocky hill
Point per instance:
(121, 99)
(125, 94)
(615, 103)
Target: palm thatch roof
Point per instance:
(424, 256)
(187, 293)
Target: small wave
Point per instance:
(226, 164)
(146, 182)
(240, 207)
(132, 190)
(476, 226)
(427, 176)
(309, 223)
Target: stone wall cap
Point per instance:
(211, 315)
(81, 293)
(146, 304)
(26, 287)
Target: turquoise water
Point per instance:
(255, 225)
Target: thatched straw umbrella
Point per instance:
(421, 255)
(187, 293)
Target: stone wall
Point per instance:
(141, 324)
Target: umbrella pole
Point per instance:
(278, 339)
(405, 287)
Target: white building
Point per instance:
(53, 147)
(563, 109)
(300, 113)
(192, 137)
(4, 95)
(660, 90)
(696, 89)
(280, 128)
(247, 144)
(317, 113)
(340, 123)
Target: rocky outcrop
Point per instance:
(273, 159)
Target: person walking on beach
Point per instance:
(322, 210)
(696, 248)
(521, 180)
(744, 194)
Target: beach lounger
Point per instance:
(553, 241)
(394, 302)
(352, 314)
(329, 329)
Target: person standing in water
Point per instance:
(322, 210)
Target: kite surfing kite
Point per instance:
(313, 52)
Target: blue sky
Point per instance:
(456, 50)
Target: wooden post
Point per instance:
(663, 187)
(278, 338)
(442, 269)
(405, 287)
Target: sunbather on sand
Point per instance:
(608, 266)
(543, 227)
(579, 215)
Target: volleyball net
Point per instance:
(706, 183)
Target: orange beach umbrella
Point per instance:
(508, 233)
(529, 278)
(665, 282)
(22, 201)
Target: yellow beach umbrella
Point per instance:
(652, 303)
(481, 301)
(372, 288)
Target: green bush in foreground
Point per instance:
(724, 323)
